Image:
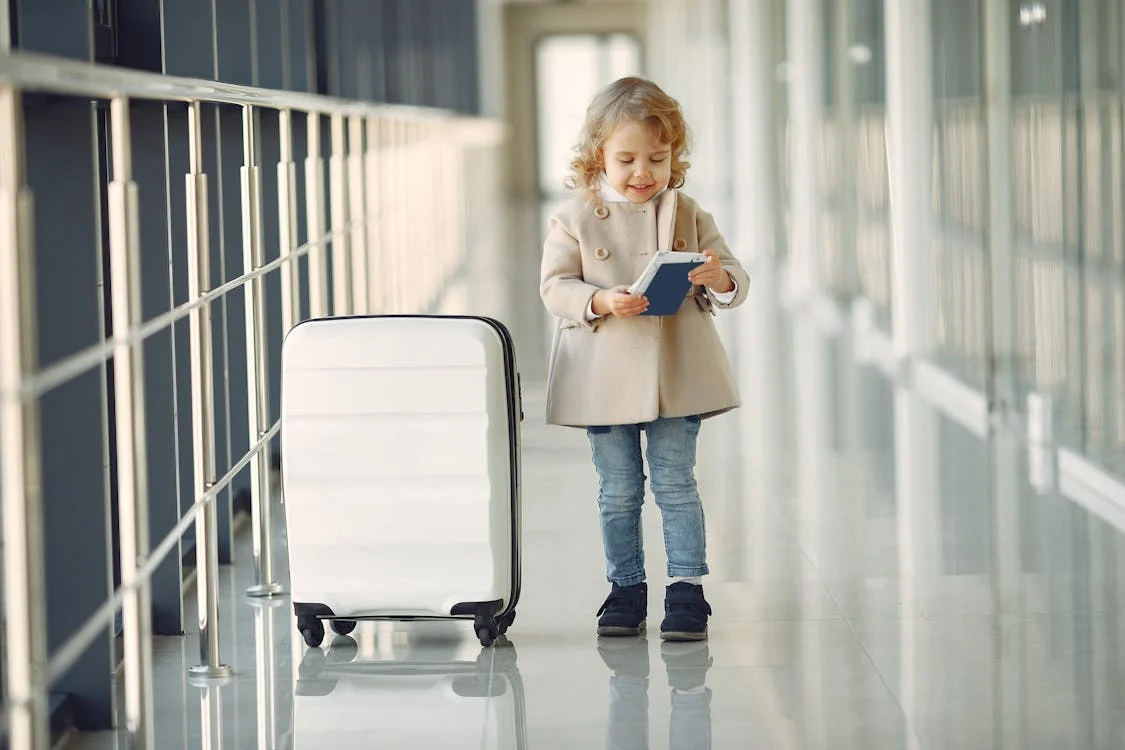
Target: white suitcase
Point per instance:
(437, 701)
(400, 471)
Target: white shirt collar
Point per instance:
(611, 195)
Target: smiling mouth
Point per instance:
(641, 188)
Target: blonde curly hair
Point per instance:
(623, 100)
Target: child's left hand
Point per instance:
(712, 274)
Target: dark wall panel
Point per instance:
(59, 27)
(138, 34)
(268, 159)
(368, 72)
(324, 36)
(375, 26)
(189, 39)
(419, 52)
(344, 48)
(398, 43)
(213, 149)
(233, 25)
(160, 396)
(177, 160)
(298, 27)
(235, 332)
(271, 67)
(300, 151)
(189, 51)
(177, 168)
(236, 65)
(423, 19)
(61, 173)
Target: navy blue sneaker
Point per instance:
(685, 613)
(624, 610)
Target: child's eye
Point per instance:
(625, 161)
(657, 161)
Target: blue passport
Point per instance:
(665, 281)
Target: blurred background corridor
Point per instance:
(915, 521)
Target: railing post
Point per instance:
(357, 211)
(287, 224)
(202, 406)
(129, 405)
(25, 671)
(314, 221)
(257, 392)
(341, 267)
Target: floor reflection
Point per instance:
(686, 666)
(404, 686)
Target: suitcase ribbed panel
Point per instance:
(396, 464)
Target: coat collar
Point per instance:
(665, 202)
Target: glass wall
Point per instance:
(1068, 199)
(959, 327)
(855, 233)
(1061, 123)
(866, 61)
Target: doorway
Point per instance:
(569, 70)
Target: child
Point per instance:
(616, 372)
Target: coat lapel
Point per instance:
(666, 219)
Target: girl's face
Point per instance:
(637, 164)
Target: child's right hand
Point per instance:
(617, 301)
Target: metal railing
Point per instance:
(382, 159)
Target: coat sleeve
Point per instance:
(565, 294)
(709, 238)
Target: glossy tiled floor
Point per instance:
(881, 579)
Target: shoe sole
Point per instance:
(681, 635)
(616, 631)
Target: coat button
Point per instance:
(601, 253)
(679, 244)
(601, 212)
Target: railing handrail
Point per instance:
(32, 71)
(38, 384)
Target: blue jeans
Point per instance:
(621, 482)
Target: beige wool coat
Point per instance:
(629, 371)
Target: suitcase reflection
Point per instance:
(432, 692)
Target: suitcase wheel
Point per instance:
(488, 629)
(343, 627)
(312, 630)
(506, 622)
(487, 634)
